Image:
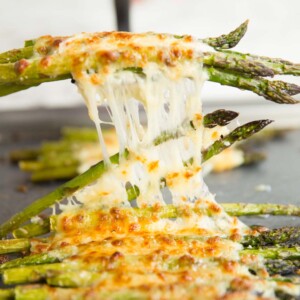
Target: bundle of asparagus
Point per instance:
(23, 68)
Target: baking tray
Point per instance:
(21, 129)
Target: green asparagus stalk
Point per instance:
(249, 209)
(227, 61)
(222, 42)
(63, 159)
(35, 273)
(14, 245)
(251, 64)
(238, 134)
(31, 274)
(283, 267)
(281, 237)
(7, 87)
(79, 134)
(50, 257)
(32, 229)
(286, 236)
(276, 91)
(59, 173)
(23, 154)
(7, 294)
(41, 292)
(16, 55)
(274, 253)
(277, 65)
(233, 209)
(227, 41)
(220, 117)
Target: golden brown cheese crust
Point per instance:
(96, 53)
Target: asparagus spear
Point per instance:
(248, 209)
(226, 61)
(162, 263)
(277, 65)
(224, 41)
(7, 294)
(238, 134)
(7, 87)
(274, 253)
(220, 117)
(283, 237)
(16, 55)
(32, 229)
(50, 257)
(233, 209)
(284, 267)
(251, 64)
(230, 40)
(14, 245)
(30, 274)
(277, 91)
(59, 173)
(41, 292)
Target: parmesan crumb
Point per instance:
(263, 188)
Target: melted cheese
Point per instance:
(107, 70)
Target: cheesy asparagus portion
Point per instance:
(170, 238)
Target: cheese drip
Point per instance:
(167, 148)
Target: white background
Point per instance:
(273, 30)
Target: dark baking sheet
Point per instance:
(22, 129)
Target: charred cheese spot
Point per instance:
(21, 65)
